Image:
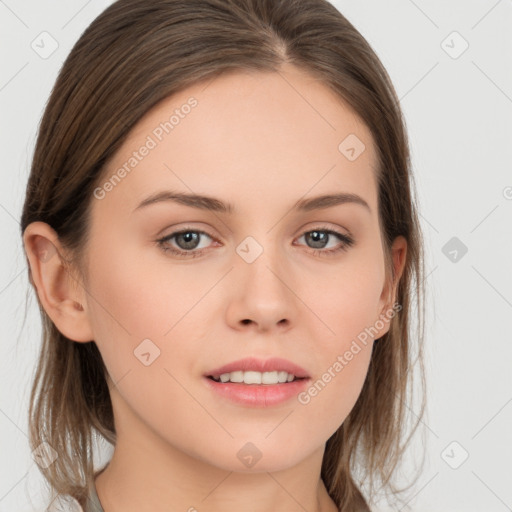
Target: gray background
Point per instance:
(458, 109)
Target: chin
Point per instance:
(260, 456)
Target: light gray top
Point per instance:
(93, 502)
(67, 503)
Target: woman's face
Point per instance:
(264, 279)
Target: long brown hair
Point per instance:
(135, 54)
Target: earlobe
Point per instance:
(60, 293)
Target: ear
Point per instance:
(60, 293)
(389, 291)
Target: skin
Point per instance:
(252, 140)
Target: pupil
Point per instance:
(318, 234)
(190, 239)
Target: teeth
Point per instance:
(282, 376)
(251, 377)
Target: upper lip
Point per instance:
(260, 365)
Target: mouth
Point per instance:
(257, 388)
(256, 378)
(253, 371)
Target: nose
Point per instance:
(262, 298)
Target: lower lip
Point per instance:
(258, 395)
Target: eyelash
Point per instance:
(347, 242)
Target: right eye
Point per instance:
(187, 240)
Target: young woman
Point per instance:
(220, 228)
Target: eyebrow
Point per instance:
(216, 205)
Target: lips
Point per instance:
(260, 365)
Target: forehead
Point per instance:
(245, 136)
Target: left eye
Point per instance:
(188, 242)
(319, 238)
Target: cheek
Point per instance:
(343, 355)
(139, 297)
(331, 396)
(139, 311)
(349, 307)
(142, 294)
(346, 300)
